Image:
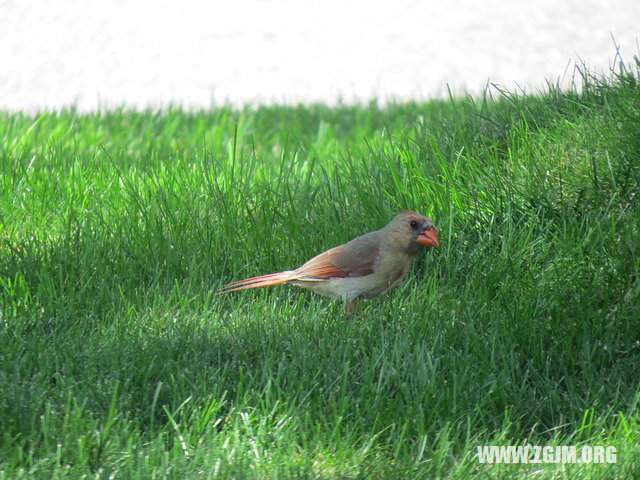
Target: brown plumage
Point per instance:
(367, 266)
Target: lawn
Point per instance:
(119, 359)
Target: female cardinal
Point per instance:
(366, 266)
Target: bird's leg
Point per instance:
(351, 306)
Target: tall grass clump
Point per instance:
(117, 229)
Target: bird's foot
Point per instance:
(351, 307)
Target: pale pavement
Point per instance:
(192, 53)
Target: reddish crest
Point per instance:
(404, 212)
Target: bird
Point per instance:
(364, 267)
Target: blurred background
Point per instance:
(144, 53)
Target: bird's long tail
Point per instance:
(261, 281)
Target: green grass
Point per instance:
(119, 360)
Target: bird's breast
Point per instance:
(398, 274)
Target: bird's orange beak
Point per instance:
(428, 238)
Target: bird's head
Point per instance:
(414, 230)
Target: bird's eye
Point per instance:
(413, 223)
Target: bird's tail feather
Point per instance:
(261, 281)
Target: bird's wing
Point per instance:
(353, 259)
